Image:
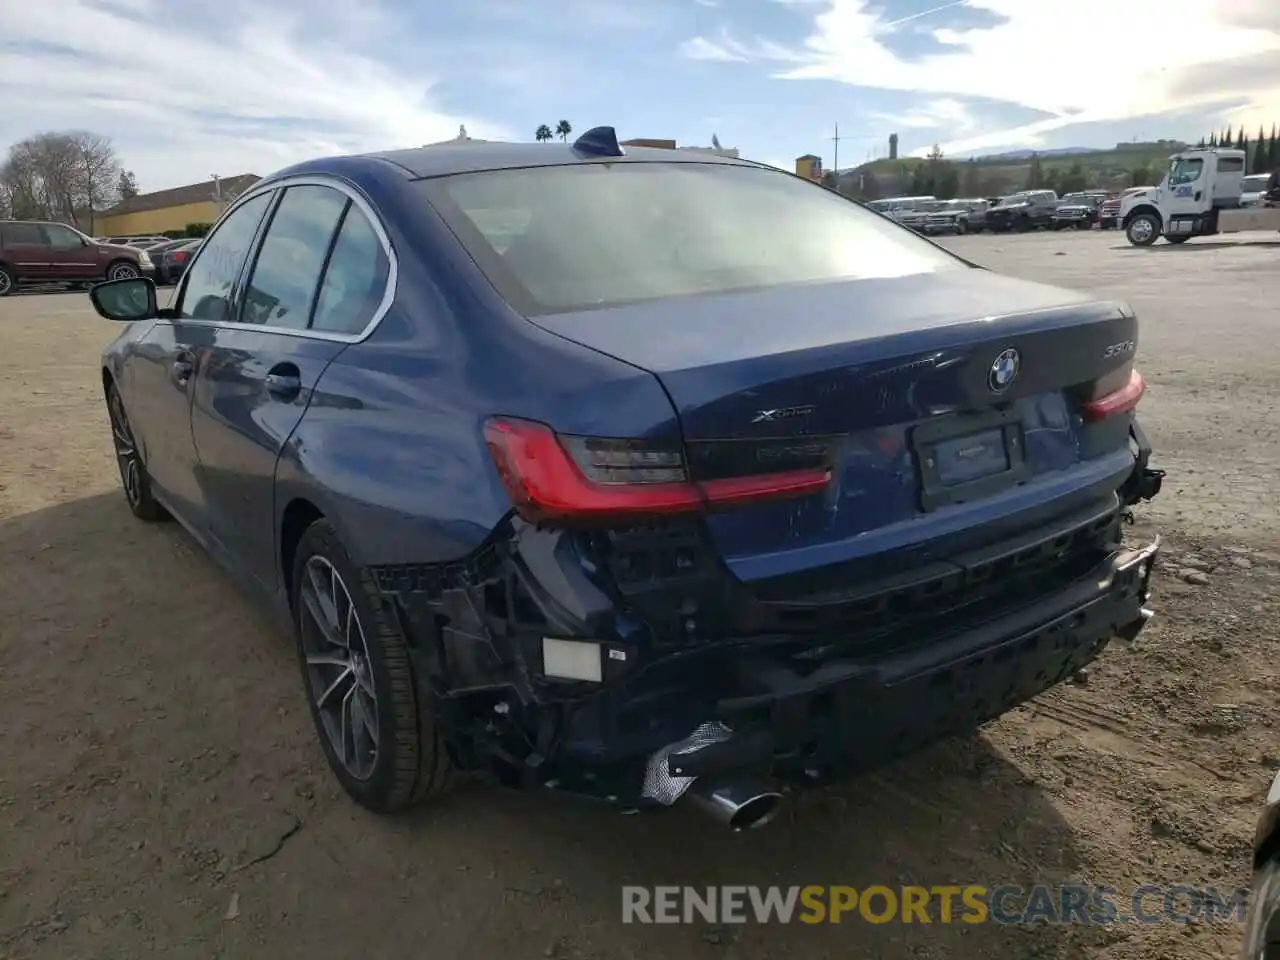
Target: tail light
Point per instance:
(555, 478)
(179, 256)
(1110, 399)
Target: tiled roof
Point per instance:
(179, 196)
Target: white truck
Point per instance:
(1198, 197)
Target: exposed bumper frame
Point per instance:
(848, 714)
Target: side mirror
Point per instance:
(126, 300)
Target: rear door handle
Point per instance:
(182, 368)
(284, 382)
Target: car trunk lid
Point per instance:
(940, 402)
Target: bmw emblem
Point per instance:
(1004, 370)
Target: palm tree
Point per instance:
(563, 129)
(543, 133)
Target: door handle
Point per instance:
(182, 368)
(284, 382)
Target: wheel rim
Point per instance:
(1141, 229)
(123, 272)
(5, 283)
(126, 450)
(338, 668)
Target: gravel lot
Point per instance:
(161, 789)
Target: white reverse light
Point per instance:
(571, 660)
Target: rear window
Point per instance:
(566, 238)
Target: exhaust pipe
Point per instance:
(740, 803)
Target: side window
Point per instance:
(24, 233)
(62, 238)
(287, 271)
(355, 280)
(212, 275)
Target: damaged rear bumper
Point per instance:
(848, 716)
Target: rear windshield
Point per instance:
(566, 238)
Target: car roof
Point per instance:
(472, 156)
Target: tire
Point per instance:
(1142, 229)
(1022, 225)
(8, 283)
(123, 270)
(1177, 240)
(364, 685)
(133, 472)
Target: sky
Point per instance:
(187, 89)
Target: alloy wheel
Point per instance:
(6, 283)
(338, 668)
(123, 271)
(126, 450)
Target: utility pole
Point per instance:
(835, 160)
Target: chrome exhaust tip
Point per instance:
(740, 803)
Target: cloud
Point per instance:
(700, 48)
(237, 89)
(944, 113)
(1021, 61)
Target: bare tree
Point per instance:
(97, 170)
(60, 176)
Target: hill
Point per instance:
(1003, 173)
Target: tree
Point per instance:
(972, 180)
(563, 129)
(1073, 180)
(61, 176)
(543, 133)
(1035, 174)
(1141, 176)
(1225, 139)
(1213, 139)
(127, 187)
(947, 186)
(1273, 150)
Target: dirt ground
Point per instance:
(161, 789)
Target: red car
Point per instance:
(36, 252)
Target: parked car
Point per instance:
(171, 259)
(132, 241)
(1262, 919)
(36, 252)
(1077, 213)
(1027, 210)
(1109, 210)
(742, 494)
(1253, 188)
(956, 216)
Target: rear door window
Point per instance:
(286, 274)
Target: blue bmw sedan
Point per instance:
(635, 473)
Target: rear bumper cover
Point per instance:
(851, 715)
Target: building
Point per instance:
(166, 210)
(715, 149)
(809, 167)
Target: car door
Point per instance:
(257, 378)
(70, 256)
(164, 360)
(26, 248)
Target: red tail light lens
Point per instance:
(554, 478)
(179, 255)
(1118, 401)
